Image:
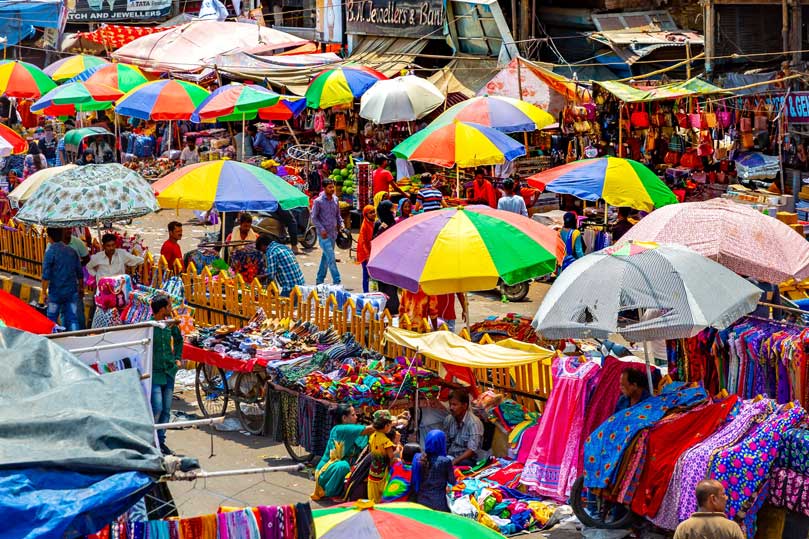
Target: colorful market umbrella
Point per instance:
(619, 182)
(340, 86)
(285, 109)
(23, 192)
(681, 291)
(69, 67)
(162, 100)
(459, 144)
(89, 195)
(505, 114)
(23, 80)
(125, 77)
(402, 99)
(76, 96)
(394, 521)
(15, 313)
(464, 249)
(11, 142)
(234, 100)
(227, 186)
(740, 238)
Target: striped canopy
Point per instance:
(464, 249)
(23, 80)
(235, 100)
(340, 86)
(69, 67)
(505, 114)
(162, 100)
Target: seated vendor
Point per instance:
(346, 440)
(634, 389)
(463, 429)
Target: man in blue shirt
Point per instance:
(62, 286)
(282, 267)
(262, 144)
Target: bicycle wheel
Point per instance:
(212, 390)
(296, 451)
(249, 392)
(596, 512)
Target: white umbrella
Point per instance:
(23, 192)
(402, 99)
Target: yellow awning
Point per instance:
(447, 347)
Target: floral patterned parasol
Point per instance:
(89, 195)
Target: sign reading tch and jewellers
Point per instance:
(403, 18)
(117, 10)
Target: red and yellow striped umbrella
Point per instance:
(23, 80)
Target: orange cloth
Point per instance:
(419, 308)
(366, 234)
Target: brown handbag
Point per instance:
(710, 116)
(761, 117)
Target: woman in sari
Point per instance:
(346, 440)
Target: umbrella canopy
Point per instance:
(23, 192)
(125, 77)
(23, 80)
(11, 142)
(735, 235)
(464, 249)
(73, 95)
(619, 182)
(88, 195)
(16, 313)
(285, 109)
(690, 292)
(235, 100)
(402, 99)
(340, 86)
(502, 113)
(393, 521)
(459, 144)
(69, 67)
(227, 186)
(190, 46)
(162, 100)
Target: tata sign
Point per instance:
(117, 10)
(404, 18)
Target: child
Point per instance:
(383, 451)
(167, 350)
(398, 487)
(432, 472)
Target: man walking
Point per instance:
(62, 286)
(710, 519)
(111, 261)
(328, 222)
(167, 351)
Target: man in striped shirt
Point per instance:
(429, 198)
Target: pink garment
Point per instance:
(551, 467)
(527, 443)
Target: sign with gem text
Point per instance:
(400, 18)
(797, 106)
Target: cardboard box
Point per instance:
(799, 229)
(787, 217)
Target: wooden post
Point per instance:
(795, 32)
(519, 90)
(710, 35)
(785, 28)
(688, 59)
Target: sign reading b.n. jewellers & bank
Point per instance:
(405, 18)
(117, 10)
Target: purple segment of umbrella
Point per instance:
(360, 525)
(401, 262)
(240, 190)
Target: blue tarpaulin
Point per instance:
(19, 18)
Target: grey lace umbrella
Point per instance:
(603, 293)
(88, 195)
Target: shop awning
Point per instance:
(18, 19)
(676, 90)
(465, 76)
(447, 347)
(388, 55)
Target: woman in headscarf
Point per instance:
(405, 209)
(346, 441)
(384, 220)
(432, 472)
(574, 244)
(34, 161)
(364, 243)
(379, 197)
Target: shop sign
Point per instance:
(796, 109)
(402, 18)
(117, 10)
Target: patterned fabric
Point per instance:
(378, 443)
(283, 268)
(115, 36)
(249, 263)
(604, 447)
(692, 466)
(88, 195)
(743, 467)
(789, 489)
(398, 487)
(552, 465)
(794, 453)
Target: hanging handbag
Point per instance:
(724, 118)
(746, 140)
(651, 138)
(710, 116)
(705, 148)
(690, 159)
(761, 118)
(639, 118)
(681, 117)
(676, 143)
(671, 158)
(746, 122)
(696, 119)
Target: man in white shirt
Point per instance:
(111, 261)
(190, 154)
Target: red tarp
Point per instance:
(113, 36)
(198, 355)
(17, 314)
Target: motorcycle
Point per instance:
(269, 223)
(515, 292)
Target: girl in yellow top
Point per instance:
(383, 451)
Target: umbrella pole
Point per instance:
(606, 214)
(244, 134)
(294, 136)
(648, 367)
(117, 154)
(169, 145)
(466, 318)
(457, 181)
